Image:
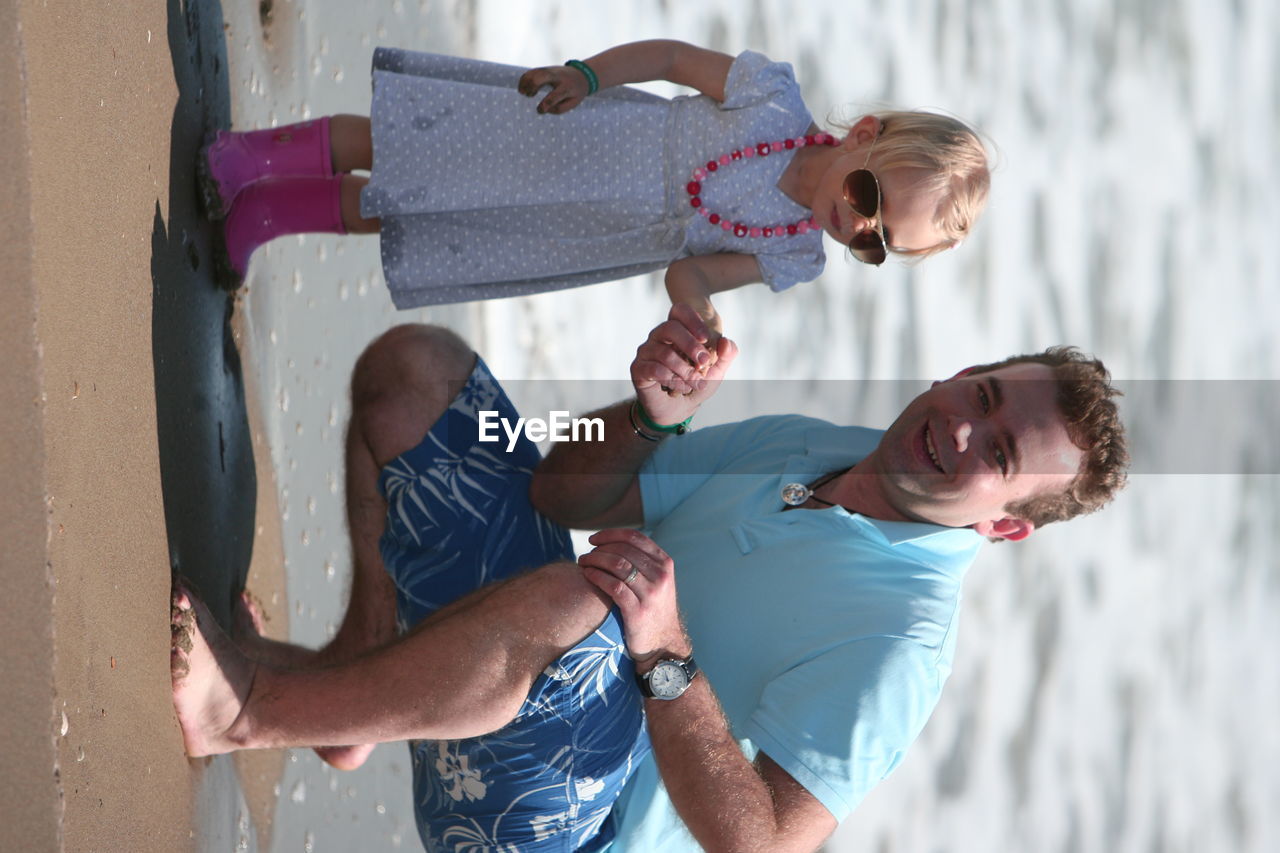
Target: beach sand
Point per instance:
(127, 447)
(28, 788)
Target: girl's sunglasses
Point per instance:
(862, 194)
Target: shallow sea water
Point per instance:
(1114, 687)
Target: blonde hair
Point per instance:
(956, 161)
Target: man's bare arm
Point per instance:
(727, 802)
(593, 483)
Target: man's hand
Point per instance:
(568, 87)
(640, 578)
(674, 372)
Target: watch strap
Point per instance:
(690, 667)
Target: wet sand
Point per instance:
(28, 789)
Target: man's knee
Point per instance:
(403, 382)
(409, 355)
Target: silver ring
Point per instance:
(631, 576)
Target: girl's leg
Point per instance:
(274, 208)
(278, 207)
(234, 161)
(351, 218)
(351, 143)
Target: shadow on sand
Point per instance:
(206, 459)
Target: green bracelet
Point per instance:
(671, 429)
(593, 82)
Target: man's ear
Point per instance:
(1013, 529)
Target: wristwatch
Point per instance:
(668, 679)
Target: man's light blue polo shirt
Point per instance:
(826, 635)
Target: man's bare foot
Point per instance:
(211, 678)
(248, 630)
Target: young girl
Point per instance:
(479, 195)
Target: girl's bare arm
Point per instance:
(692, 280)
(637, 62)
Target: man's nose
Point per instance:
(961, 430)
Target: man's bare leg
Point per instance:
(463, 672)
(401, 386)
(247, 632)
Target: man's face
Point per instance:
(966, 448)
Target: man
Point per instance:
(819, 573)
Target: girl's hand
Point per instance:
(715, 327)
(715, 331)
(640, 578)
(568, 87)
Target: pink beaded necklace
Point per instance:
(763, 149)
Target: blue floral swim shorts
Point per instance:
(459, 517)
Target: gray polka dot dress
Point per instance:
(481, 197)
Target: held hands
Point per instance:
(715, 325)
(679, 366)
(640, 578)
(568, 87)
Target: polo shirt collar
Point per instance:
(829, 448)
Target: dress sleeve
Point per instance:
(841, 722)
(755, 79)
(804, 261)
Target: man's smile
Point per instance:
(931, 449)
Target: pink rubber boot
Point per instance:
(233, 160)
(273, 208)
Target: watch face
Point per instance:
(668, 680)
